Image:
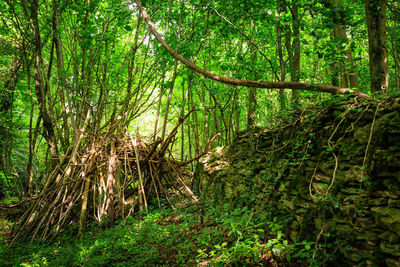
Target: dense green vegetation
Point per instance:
(169, 237)
(106, 107)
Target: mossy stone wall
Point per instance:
(335, 169)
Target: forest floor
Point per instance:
(187, 236)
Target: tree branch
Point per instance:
(247, 83)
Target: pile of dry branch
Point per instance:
(106, 177)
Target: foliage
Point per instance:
(181, 237)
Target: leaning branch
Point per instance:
(247, 83)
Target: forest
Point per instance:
(199, 133)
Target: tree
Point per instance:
(348, 72)
(378, 54)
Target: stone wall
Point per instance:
(327, 171)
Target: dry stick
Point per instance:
(85, 197)
(160, 185)
(25, 220)
(247, 83)
(182, 181)
(155, 186)
(69, 209)
(131, 210)
(134, 144)
(95, 185)
(153, 149)
(44, 217)
(110, 184)
(101, 189)
(91, 157)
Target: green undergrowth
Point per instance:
(188, 236)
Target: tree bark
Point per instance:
(41, 93)
(348, 71)
(280, 7)
(378, 54)
(295, 53)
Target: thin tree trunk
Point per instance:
(171, 89)
(185, 94)
(158, 107)
(295, 54)
(279, 4)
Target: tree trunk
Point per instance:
(348, 70)
(378, 54)
(280, 7)
(295, 54)
(171, 89)
(48, 131)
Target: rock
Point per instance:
(326, 167)
(392, 203)
(377, 201)
(354, 173)
(383, 173)
(300, 211)
(391, 184)
(379, 194)
(341, 220)
(384, 159)
(395, 228)
(362, 134)
(389, 236)
(349, 190)
(387, 124)
(346, 210)
(367, 213)
(392, 249)
(320, 188)
(367, 235)
(392, 262)
(299, 218)
(320, 177)
(345, 230)
(388, 217)
(304, 204)
(353, 254)
(287, 205)
(366, 223)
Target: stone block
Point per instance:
(394, 203)
(392, 262)
(389, 236)
(377, 201)
(388, 248)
